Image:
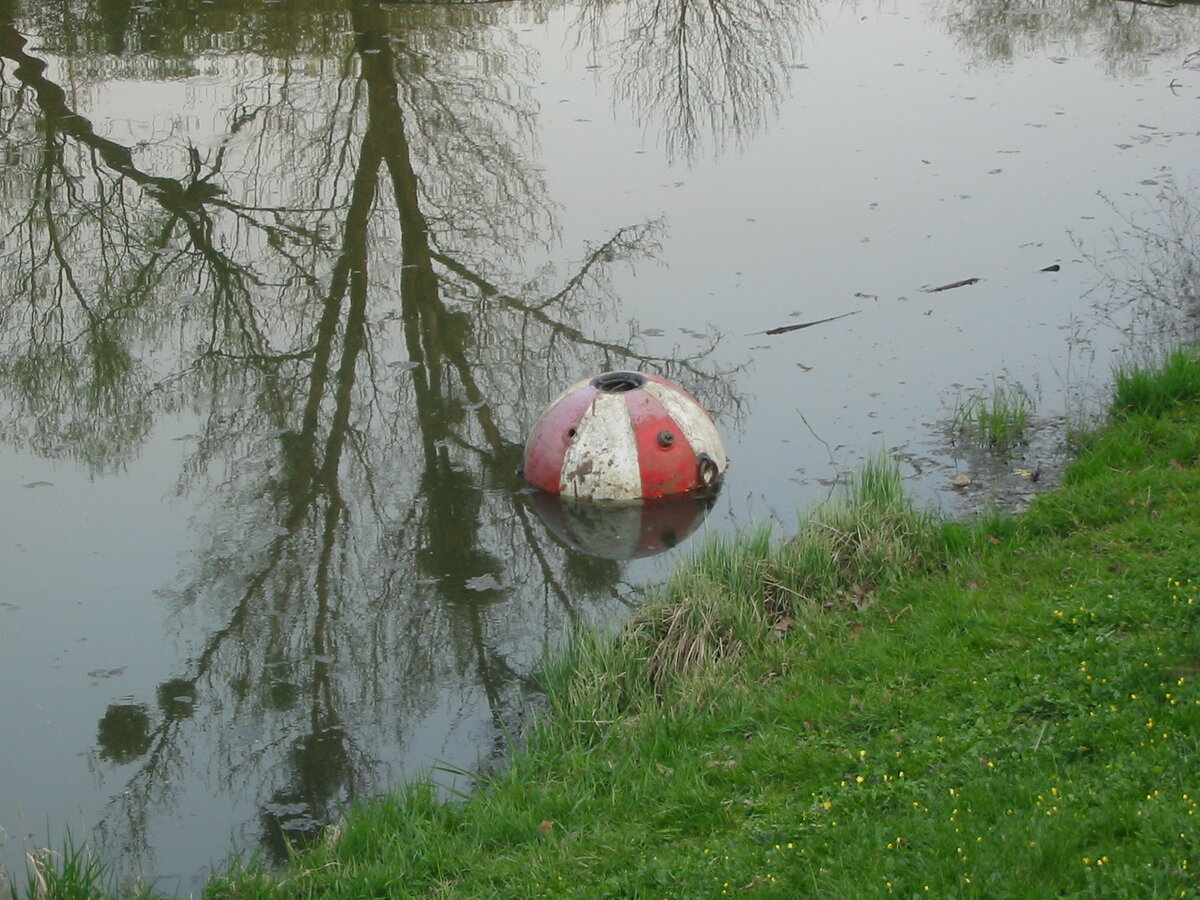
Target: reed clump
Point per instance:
(72, 872)
(997, 419)
(743, 592)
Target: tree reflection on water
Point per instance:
(1124, 32)
(700, 72)
(335, 286)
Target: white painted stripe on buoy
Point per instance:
(602, 461)
(693, 421)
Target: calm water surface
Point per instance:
(284, 285)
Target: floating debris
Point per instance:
(284, 810)
(107, 673)
(951, 286)
(483, 583)
(784, 329)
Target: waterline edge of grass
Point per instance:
(895, 706)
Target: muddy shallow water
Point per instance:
(286, 285)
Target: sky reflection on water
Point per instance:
(288, 286)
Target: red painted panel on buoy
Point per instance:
(551, 436)
(665, 457)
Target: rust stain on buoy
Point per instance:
(624, 436)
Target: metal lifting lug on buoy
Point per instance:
(624, 436)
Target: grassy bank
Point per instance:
(884, 705)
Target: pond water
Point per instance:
(285, 283)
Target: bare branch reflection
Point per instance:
(333, 287)
(1124, 34)
(698, 69)
(1151, 273)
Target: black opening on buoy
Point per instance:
(618, 382)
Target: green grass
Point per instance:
(70, 873)
(738, 592)
(997, 419)
(1153, 391)
(885, 705)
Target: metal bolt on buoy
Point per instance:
(624, 436)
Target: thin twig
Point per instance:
(784, 329)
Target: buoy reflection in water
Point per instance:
(623, 530)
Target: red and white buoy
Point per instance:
(624, 436)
